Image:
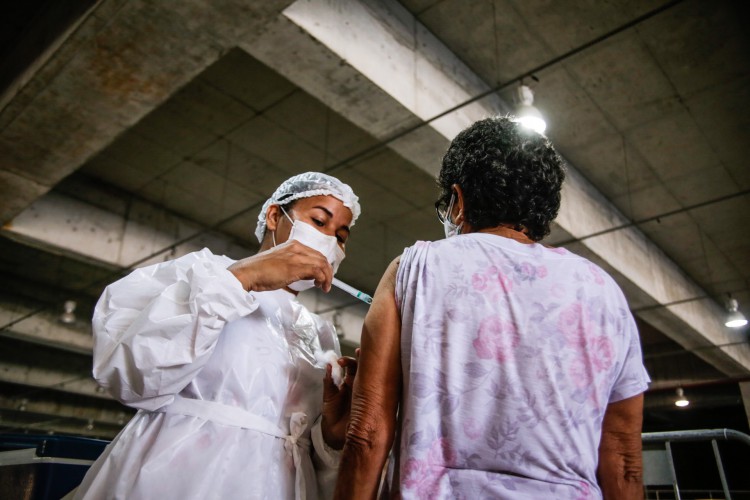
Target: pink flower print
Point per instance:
(492, 282)
(505, 283)
(495, 276)
(557, 291)
(584, 491)
(479, 282)
(601, 353)
(580, 373)
(575, 325)
(496, 339)
(421, 478)
(527, 271)
(472, 429)
(541, 272)
(412, 473)
(442, 453)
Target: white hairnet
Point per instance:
(304, 186)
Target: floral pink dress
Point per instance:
(510, 355)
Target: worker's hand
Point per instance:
(337, 403)
(281, 265)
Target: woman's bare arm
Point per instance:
(620, 470)
(377, 389)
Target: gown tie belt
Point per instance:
(294, 440)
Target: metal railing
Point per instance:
(692, 436)
(715, 494)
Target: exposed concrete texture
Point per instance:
(48, 30)
(388, 46)
(57, 424)
(651, 276)
(17, 368)
(76, 409)
(396, 55)
(342, 88)
(45, 329)
(113, 69)
(17, 192)
(147, 234)
(52, 425)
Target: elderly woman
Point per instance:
(227, 368)
(503, 368)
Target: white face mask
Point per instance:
(309, 236)
(449, 227)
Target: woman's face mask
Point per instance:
(309, 236)
(449, 227)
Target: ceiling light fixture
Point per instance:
(68, 316)
(526, 113)
(681, 400)
(735, 319)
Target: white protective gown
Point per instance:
(226, 382)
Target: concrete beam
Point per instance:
(664, 400)
(115, 241)
(25, 374)
(360, 53)
(46, 33)
(389, 47)
(115, 65)
(48, 408)
(58, 380)
(672, 382)
(405, 62)
(44, 328)
(46, 368)
(51, 424)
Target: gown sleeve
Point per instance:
(156, 328)
(325, 459)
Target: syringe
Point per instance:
(352, 291)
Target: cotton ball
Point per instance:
(331, 358)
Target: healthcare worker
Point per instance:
(227, 368)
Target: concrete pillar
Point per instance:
(745, 391)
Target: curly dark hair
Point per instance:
(508, 175)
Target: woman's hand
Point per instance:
(337, 403)
(281, 265)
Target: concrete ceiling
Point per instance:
(142, 132)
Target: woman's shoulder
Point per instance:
(205, 255)
(422, 244)
(413, 252)
(188, 260)
(427, 246)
